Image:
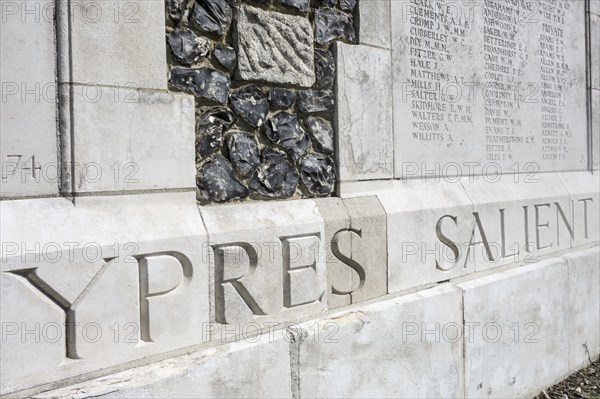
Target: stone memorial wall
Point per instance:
(455, 253)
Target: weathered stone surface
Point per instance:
(157, 151)
(318, 173)
(209, 129)
(91, 259)
(213, 16)
(29, 140)
(332, 24)
(274, 47)
(226, 56)
(209, 373)
(275, 176)
(324, 68)
(322, 133)
(387, 349)
(327, 3)
(300, 5)
(243, 152)
(310, 101)
(267, 260)
(584, 307)
(128, 39)
(419, 215)
(281, 98)
(217, 181)
(375, 24)
(508, 211)
(584, 192)
(348, 5)
(251, 104)
(452, 138)
(364, 112)
(516, 321)
(205, 83)
(186, 47)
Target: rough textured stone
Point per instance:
(322, 133)
(332, 24)
(226, 56)
(217, 181)
(324, 68)
(318, 173)
(300, 5)
(281, 98)
(209, 129)
(206, 83)
(243, 152)
(275, 176)
(283, 128)
(310, 101)
(348, 5)
(274, 47)
(327, 3)
(251, 104)
(213, 16)
(186, 47)
(176, 9)
(299, 148)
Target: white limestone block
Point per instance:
(596, 129)
(584, 193)
(126, 272)
(387, 349)
(516, 331)
(138, 140)
(118, 44)
(521, 218)
(355, 249)
(375, 23)
(266, 260)
(595, 47)
(429, 225)
(28, 143)
(363, 116)
(584, 307)
(247, 369)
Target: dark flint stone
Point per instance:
(332, 24)
(226, 56)
(347, 5)
(283, 127)
(300, 147)
(300, 5)
(209, 129)
(327, 3)
(205, 83)
(322, 133)
(213, 16)
(186, 47)
(251, 104)
(217, 181)
(275, 177)
(176, 9)
(281, 98)
(318, 173)
(314, 100)
(243, 152)
(324, 68)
